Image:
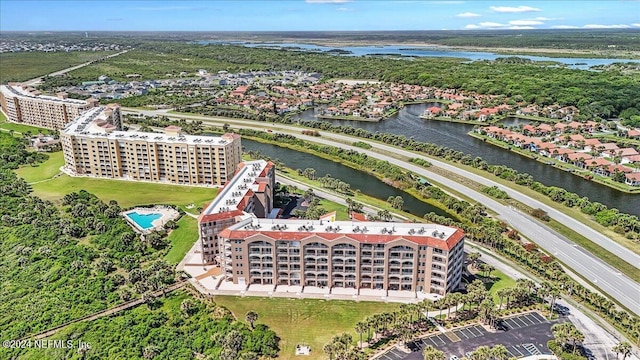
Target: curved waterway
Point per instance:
(366, 183)
(454, 135)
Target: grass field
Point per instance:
(308, 321)
(20, 128)
(182, 239)
(341, 210)
(126, 193)
(28, 65)
(499, 280)
(43, 171)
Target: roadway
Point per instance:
(37, 80)
(608, 279)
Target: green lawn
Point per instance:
(308, 321)
(341, 210)
(499, 280)
(182, 239)
(43, 171)
(21, 128)
(126, 193)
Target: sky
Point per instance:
(314, 15)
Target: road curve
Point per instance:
(608, 279)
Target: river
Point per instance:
(426, 51)
(366, 183)
(407, 122)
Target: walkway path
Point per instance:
(608, 279)
(103, 313)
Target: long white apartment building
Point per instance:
(248, 192)
(94, 145)
(382, 256)
(28, 106)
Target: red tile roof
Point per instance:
(429, 241)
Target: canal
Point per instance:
(367, 184)
(453, 135)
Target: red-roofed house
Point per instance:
(632, 179)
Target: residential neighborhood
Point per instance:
(571, 142)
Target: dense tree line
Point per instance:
(62, 263)
(177, 327)
(603, 94)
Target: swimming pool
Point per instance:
(144, 221)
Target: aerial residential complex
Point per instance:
(240, 234)
(249, 192)
(345, 254)
(93, 145)
(24, 105)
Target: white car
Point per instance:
(453, 357)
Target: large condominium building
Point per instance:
(93, 145)
(343, 254)
(27, 106)
(249, 192)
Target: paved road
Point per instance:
(607, 278)
(597, 339)
(64, 71)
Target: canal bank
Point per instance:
(452, 135)
(367, 184)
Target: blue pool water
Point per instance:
(143, 220)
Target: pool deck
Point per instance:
(166, 213)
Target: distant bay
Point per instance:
(422, 51)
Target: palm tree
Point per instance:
(576, 336)
(623, 348)
(360, 328)
(499, 352)
(251, 318)
(481, 353)
(561, 332)
(329, 349)
(431, 353)
(454, 300)
(501, 294)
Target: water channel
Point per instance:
(366, 183)
(453, 135)
(433, 51)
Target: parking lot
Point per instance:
(522, 335)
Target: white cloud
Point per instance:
(327, 1)
(525, 22)
(636, 24)
(513, 9)
(492, 24)
(542, 18)
(344, 9)
(468, 15)
(564, 27)
(521, 28)
(472, 26)
(445, 2)
(599, 26)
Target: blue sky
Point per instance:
(314, 15)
